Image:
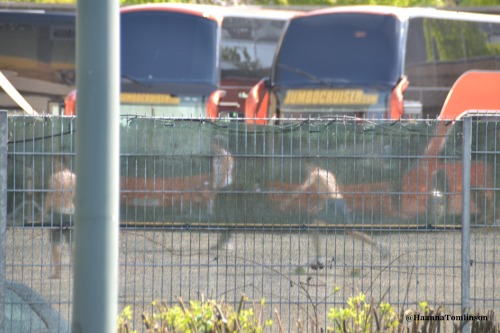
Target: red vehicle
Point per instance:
(193, 61)
(275, 187)
(434, 186)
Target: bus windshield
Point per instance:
(176, 50)
(340, 49)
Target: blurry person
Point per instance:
(222, 176)
(323, 196)
(325, 203)
(222, 169)
(59, 206)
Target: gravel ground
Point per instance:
(278, 266)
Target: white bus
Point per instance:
(373, 62)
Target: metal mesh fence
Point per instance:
(303, 214)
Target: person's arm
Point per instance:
(304, 187)
(49, 197)
(223, 166)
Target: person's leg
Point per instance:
(67, 233)
(334, 211)
(68, 236)
(57, 236)
(222, 241)
(319, 260)
(55, 243)
(342, 211)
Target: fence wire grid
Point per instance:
(304, 214)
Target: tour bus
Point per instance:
(186, 60)
(37, 57)
(373, 62)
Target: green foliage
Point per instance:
(46, 1)
(447, 37)
(399, 3)
(478, 2)
(239, 57)
(123, 320)
(360, 316)
(202, 317)
(137, 2)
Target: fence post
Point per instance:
(95, 287)
(466, 180)
(3, 211)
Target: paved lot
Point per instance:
(162, 265)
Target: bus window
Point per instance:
(248, 46)
(40, 58)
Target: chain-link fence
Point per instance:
(304, 214)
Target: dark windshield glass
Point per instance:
(344, 48)
(165, 47)
(248, 46)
